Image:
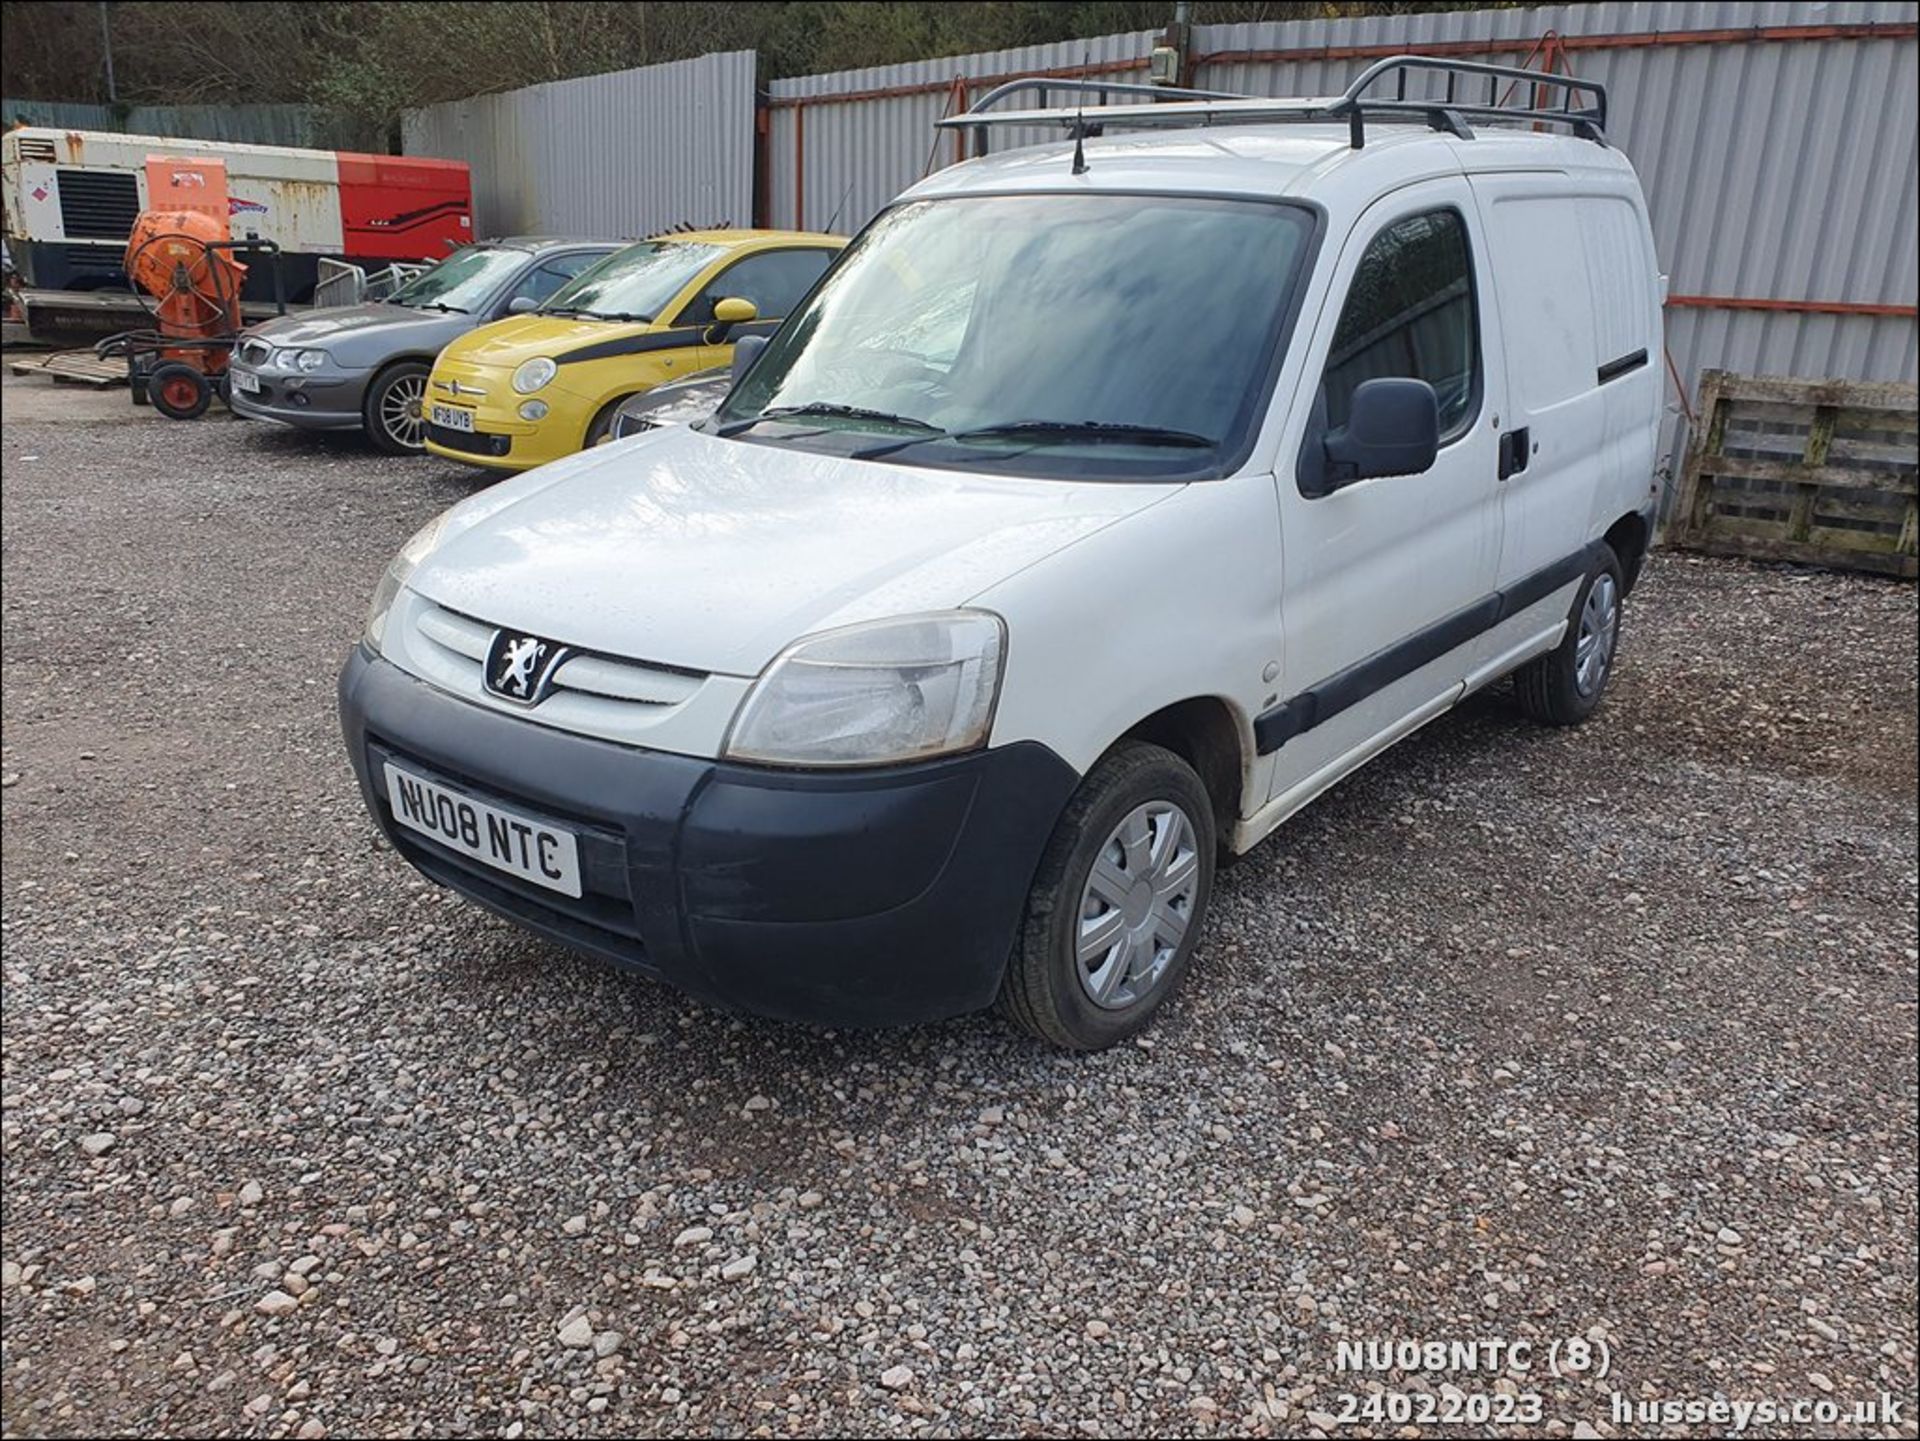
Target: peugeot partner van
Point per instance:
(1104, 504)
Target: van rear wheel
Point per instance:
(1118, 902)
(1564, 686)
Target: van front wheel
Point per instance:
(1118, 903)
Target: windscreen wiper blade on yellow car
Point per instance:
(597, 314)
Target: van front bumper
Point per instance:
(838, 898)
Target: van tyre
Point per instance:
(1563, 687)
(394, 411)
(178, 391)
(1117, 904)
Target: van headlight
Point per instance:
(398, 569)
(875, 694)
(533, 374)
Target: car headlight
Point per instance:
(398, 569)
(308, 360)
(873, 694)
(533, 374)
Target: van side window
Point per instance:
(1410, 313)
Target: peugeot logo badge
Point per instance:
(520, 668)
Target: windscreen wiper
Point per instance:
(439, 305)
(595, 314)
(1101, 431)
(827, 410)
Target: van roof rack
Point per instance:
(1173, 108)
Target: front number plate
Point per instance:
(505, 840)
(245, 382)
(451, 417)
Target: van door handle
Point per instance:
(1515, 446)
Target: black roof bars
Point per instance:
(1177, 108)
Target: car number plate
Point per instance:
(244, 382)
(451, 417)
(506, 840)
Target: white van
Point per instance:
(1103, 505)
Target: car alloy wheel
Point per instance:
(400, 411)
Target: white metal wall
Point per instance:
(617, 156)
(1776, 169)
(839, 151)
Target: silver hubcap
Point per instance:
(400, 411)
(1137, 904)
(1599, 624)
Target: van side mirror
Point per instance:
(522, 304)
(1392, 429)
(728, 313)
(745, 351)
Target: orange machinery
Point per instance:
(184, 265)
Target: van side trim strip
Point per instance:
(1347, 688)
(1624, 365)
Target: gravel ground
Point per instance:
(1518, 1035)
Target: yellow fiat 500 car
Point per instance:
(532, 388)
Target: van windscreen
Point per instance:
(1118, 336)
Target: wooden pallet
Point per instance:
(73, 367)
(1824, 472)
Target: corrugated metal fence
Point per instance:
(1776, 142)
(841, 146)
(624, 154)
(242, 124)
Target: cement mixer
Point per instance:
(187, 272)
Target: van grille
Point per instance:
(98, 204)
(462, 642)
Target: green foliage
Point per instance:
(368, 62)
